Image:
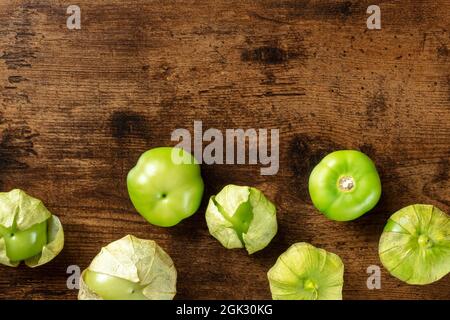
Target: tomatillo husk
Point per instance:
(140, 263)
(305, 272)
(18, 213)
(240, 216)
(415, 244)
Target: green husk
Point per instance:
(259, 227)
(415, 244)
(305, 272)
(136, 260)
(23, 211)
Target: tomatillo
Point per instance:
(129, 269)
(241, 216)
(345, 185)
(113, 288)
(21, 245)
(415, 244)
(165, 186)
(28, 231)
(305, 272)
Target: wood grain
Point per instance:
(78, 107)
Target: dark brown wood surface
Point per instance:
(78, 108)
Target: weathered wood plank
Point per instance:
(78, 107)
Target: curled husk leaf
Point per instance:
(226, 223)
(139, 261)
(415, 244)
(22, 211)
(305, 272)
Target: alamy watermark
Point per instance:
(374, 20)
(374, 279)
(231, 147)
(73, 280)
(74, 20)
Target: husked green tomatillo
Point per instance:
(240, 217)
(165, 186)
(305, 272)
(129, 269)
(415, 244)
(345, 185)
(28, 231)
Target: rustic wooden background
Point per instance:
(79, 107)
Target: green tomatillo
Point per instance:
(345, 185)
(415, 244)
(240, 216)
(129, 269)
(21, 245)
(305, 272)
(28, 231)
(113, 288)
(165, 186)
